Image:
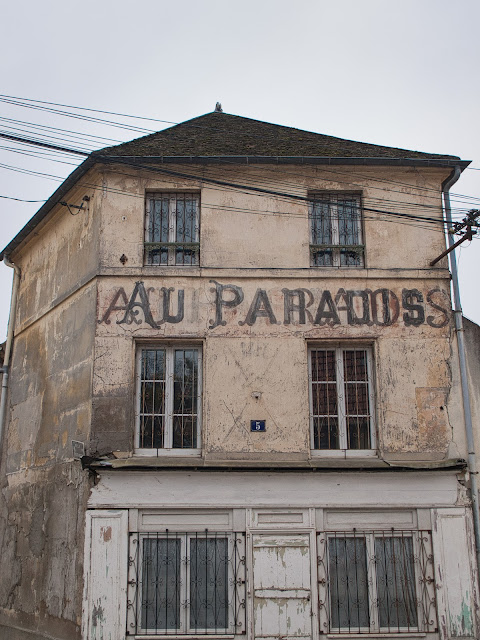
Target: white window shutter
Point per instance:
(106, 565)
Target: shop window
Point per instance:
(186, 583)
(377, 582)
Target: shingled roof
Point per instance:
(221, 134)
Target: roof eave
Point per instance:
(45, 209)
(95, 158)
(328, 160)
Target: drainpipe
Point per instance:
(472, 465)
(8, 344)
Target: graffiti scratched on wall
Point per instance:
(229, 303)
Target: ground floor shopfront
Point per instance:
(279, 555)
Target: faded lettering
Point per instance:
(356, 307)
(221, 303)
(260, 308)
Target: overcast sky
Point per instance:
(400, 73)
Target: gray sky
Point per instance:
(400, 73)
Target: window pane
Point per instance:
(321, 221)
(184, 432)
(348, 583)
(152, 398)
(157, 229)
(185, 398)
(323, 365)
(356, 399)
(348, 221)
(208, 583)
(186, 228)
(323, 258)
(151, 432)
(324, 396)
(355, 365)
(358, 433)
(325, 433)
(153, 364)
(161, 584)
(396, 582)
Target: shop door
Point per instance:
(282, 587)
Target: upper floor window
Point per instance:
(172, 226)
(335, 230)
(168, 399)
(341, 396)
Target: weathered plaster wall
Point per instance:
(241, 229)
(260, 345)
(73, 372)
(60, 256)
(50, 392)
(41, 546)
(43, 491)
(472, 345)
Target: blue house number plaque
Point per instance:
(257, 425)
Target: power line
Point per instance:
(237, 187)
(68, 106)
(248, 187)
(404, 204)
(33, 125)
(31, 103)
(20, 199)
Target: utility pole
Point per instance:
(467, 223)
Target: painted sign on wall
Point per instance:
(302, 306)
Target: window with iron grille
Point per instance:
(376, 582)
(186, 583)
(172, 229)
(335, 230)
(341, 398)
(168, 398)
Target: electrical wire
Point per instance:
(244, 189)
(249, 187)
(93, 186)
(20, 199)
(31, 104)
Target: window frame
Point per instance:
(425, 590)
(172, 245)
(343, 450)
(169, 348)
(332, 201)
(235, 583)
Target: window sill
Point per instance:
(344, 453)
(217, 636)
(403, 635)
(169, 453)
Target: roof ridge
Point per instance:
(199, 136)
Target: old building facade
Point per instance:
(235, 326)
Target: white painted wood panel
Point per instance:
(186, 489)
(456, 578)
(106, 560)
(282, 587)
